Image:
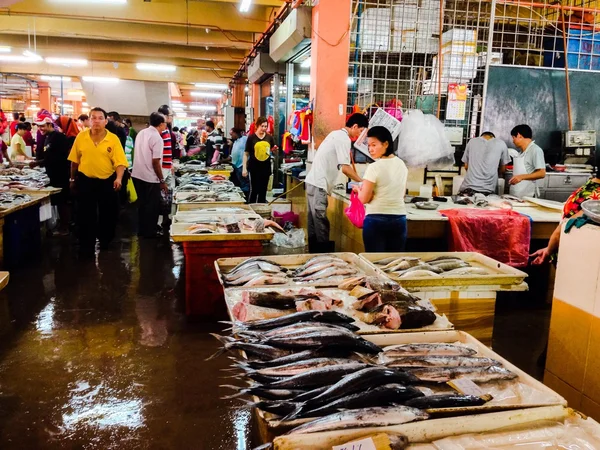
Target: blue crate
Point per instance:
(583, 50)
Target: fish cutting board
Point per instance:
(500, 274)
(539, 394)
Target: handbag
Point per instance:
(356, 211)
(131, 193)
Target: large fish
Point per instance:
(263, 392)
(411, 315)
(297, 356)
(253, 350)
(329, 338)
(328, 273)
(305, 316)
(444, 361)
(251, 261)
(386, 395)
(444, 401)
(362, 418)
(303, 326)
(318, 259)
(263, 280)
(403, 350)
(451, 265)
(476, 374)
(320, 266)
(296, 368)
(269, 299)
(318, 377)
(243, 312)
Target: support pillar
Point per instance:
(238, 101)
(330, 59)
(256, 101)
(45, 93)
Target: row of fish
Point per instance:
(442, 266)
(326, 270)
(209, 196)
(209, 225)
(311, 365)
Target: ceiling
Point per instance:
(206, 40)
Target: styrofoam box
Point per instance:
(459, 47)
(461, 66)
(375, 29)
(418, 42)
(459, 35)
(482, 58)
(430, 87)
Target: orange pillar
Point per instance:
(329, 65)
(256, 100)
(76, 109)
(45, 93)
(238, 96)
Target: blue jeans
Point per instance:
(384, 233)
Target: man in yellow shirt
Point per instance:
(97, 166)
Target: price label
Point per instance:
(467, 387)
(363, 444)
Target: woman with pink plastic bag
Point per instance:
(382, 191)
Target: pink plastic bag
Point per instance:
(356, 211)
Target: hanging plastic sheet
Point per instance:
(503, 235)
(422, 139)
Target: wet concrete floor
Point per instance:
(100, 355)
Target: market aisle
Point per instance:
(100, 356)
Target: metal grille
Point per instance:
(395, 44)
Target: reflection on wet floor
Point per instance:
(101, 356)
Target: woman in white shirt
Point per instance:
(382, 191)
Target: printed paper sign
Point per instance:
(363, 444)
(380, 118)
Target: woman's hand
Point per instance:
(540, 257)
(356, 188)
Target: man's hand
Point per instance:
(164, 188)
(516, 179)
(33, 164)
(540, 257)
(245, 173)
(117, 184)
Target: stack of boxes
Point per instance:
(406, 27)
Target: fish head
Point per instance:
(393, 320)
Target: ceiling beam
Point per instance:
(115, 31)
(276, 3)
(126, 71)
(91, 47)
(213, 15)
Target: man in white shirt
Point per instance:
(332, 155)
(533, 158)
(147, 174)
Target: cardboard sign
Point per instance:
(363, 444)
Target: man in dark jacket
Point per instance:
(115, 126)
(54, 158)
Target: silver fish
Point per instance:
(403, 350)
(476, 374)
(451, 265)
(318, 259)
(466, 271)
(318, 376)
(444, 361)
(329, 272)
(320, 266)
(362, 418)
(299, 367)
(419, 274)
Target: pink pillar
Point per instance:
(330, 58)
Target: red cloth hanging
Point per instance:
(270, 125)
(503, 235)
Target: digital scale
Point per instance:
(579, 147)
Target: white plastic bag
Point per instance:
(294, 238)
(422, 139)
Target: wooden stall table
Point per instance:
(203, 292)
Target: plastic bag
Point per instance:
(503, 235)
(356, 211)
(131, 193)
(294, 238)
(422, 139)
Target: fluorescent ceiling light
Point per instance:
(32, 55)
(67, 61)
(156, 67)
(101, 79)
(84, 104)
(216, 87)
(178, 109)
(54, 78)
(203, 108)
(4, 49)
(245, 5)
(17, 59)
(181, 114)
(305, 63)
(205, 94)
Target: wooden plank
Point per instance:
(4, 277)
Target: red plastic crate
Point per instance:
(203, 292)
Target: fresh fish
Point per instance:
(452, 265)
(243, 277)
(308, 395)
(320, 266)
(279, 408)
(305, 316)
(263, 392)
(403, 350)
(265, 380)
(295, 357)
(404, 259)
(379, 284)
(296, 368)
(367, 303)
(330, 339)
(419, 274)
(362, 418)
(403, 264)
(386, 395)
(387, 317)
(312, 304)
(309, 327)
(269, 299)
(243, 311)
(444, 401)
(466, 271)
(319, 376)
(327, 273)
(360, 292)
(384, 261)
(443, 258)
(402, 295)
(263, 280)
(476, 374)
(364, 379)
(253, 350)
(411, 315)
(350, 283)
(252, 260)
(444, 361)
(318, 259)
(424, 266)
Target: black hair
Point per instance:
(128, 122)
(157, 119)
(83, 117)
(164, 109)
(260, 121)
(28, 124)
(175, 129)
(357, 119)
(115, 115)
(98, 109)
(22, 119)
(210, 123)
(383, 135)
(488, 133)
(15, 116)
(523, 130)
(21, 126)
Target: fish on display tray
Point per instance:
(264, 303)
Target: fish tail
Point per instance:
(233, 396)
(294, 413)
(365, 358)
(222, 339)
(267, 446)
(231, 386)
